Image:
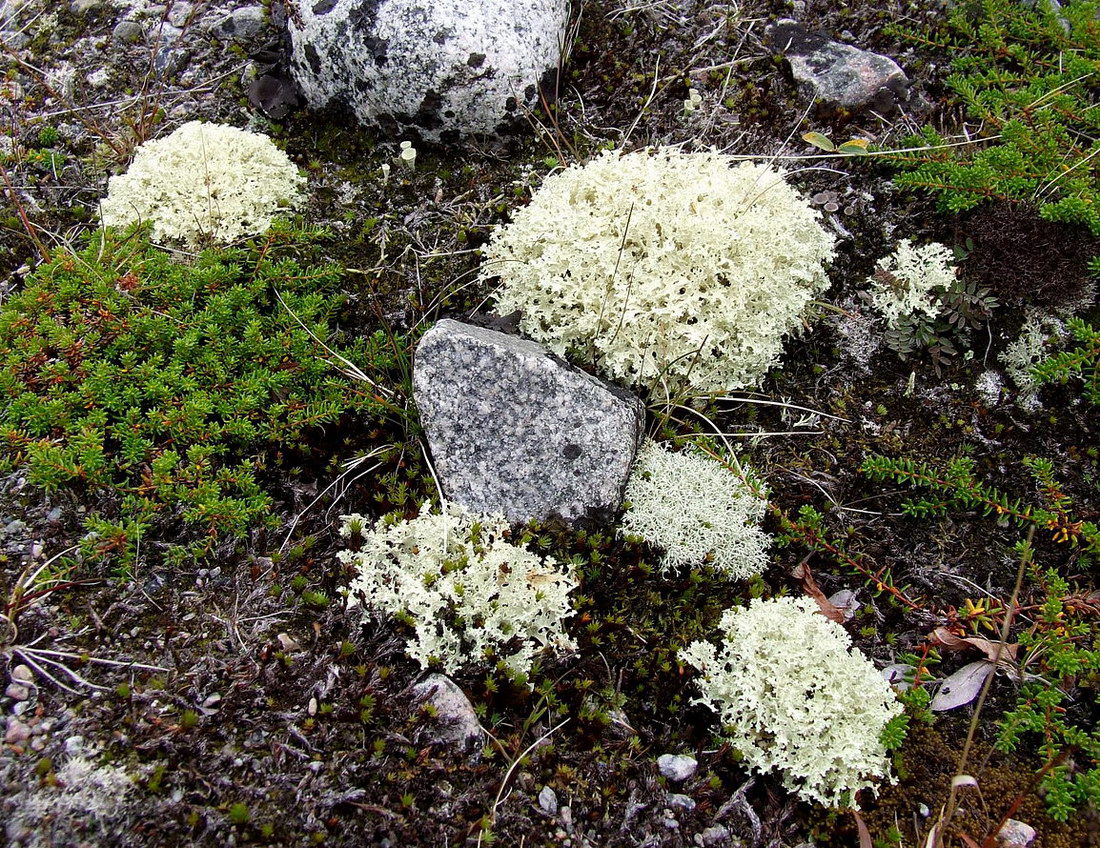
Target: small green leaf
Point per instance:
(819, 140)
(854, 147)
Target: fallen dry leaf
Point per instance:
(962, 687)
(803, 574)
(944, 638)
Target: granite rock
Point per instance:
(437, 69)
(839, 75)
(516, 431)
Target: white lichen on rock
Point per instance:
(905, 283)
(697, 511)
(796, 698)
(469, 594)
(204, 182)
(683, 270)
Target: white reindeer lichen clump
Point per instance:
(906, 282)
(796, 698)
(468, 593)
(696, 510)
(663, 268)
(204, 182)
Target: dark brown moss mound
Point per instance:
(1024, 259)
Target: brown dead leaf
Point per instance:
(944, 638)
(804, 576)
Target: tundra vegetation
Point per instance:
(856, 573)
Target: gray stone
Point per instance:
(169, 62)
(548, 801)
(129, 32)
(1015, 834)
(243, 24)
(437, 68)
(22, 674)
(84, 7)
(839, 75)
(717, 836)
(17, 692)
(456, 722)
(179, 13)
(516, 431)
(676, 767)
(682, 802)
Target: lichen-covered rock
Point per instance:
(839, 75)
(439, 69)
(516, 431)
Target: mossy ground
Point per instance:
(280, 719)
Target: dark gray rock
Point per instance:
(839, 75)
(129, 32)
(274, 95)
(456, 723)
(514, 430)
(437, 68)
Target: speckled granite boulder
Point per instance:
(439, 68)
(839, 75)
(517, 431)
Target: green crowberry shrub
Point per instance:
(1027, 73)
(164, 387)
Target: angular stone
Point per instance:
(677, 767)
(839, 75)
(1015, 834)
(456, 722)
(437, 68)
(682, 802)
(548, 801)
(514, 430)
